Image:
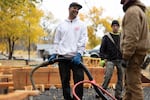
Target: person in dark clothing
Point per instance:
(110, 52)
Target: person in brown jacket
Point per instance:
(134, 46)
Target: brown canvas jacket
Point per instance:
(135, 35)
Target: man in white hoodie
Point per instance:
(69, 41)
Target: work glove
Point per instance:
(76, 59)
(52, 57)
(124, 63)
(102, 63)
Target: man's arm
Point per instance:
(103, 49)
(82, 40)
(131, 34)
(56, 40)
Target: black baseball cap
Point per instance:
(75, 4)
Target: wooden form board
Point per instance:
(50, 75)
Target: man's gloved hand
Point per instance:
(102, 63)
(76, 59)
(52, 57)
(124, 63)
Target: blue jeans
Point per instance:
(108, 74)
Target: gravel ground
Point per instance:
(89, 94)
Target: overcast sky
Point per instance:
(112, 8)
(59, 8)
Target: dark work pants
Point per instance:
(65, 73)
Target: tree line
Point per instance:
(20, 24)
